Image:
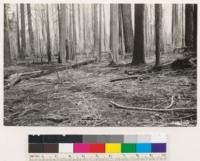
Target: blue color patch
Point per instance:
(143, 148)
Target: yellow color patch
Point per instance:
(113, 148)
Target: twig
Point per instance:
(116, 105)
(172, 102)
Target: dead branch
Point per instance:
(116, 105)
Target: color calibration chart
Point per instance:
(97, 147)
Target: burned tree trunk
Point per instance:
(138, 54)
(189, 25)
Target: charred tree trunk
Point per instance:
(189, 25)
(127, 26)
(138, 54)
(23, 33)
(7, 54)
(195, 28)
(30, 29)
(158, 31)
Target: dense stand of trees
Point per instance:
(62, 32)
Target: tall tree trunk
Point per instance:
(74, 31)
(30, 29)
(63, 35)
(7, 53)
(195, 28)
(138, 54)
(48, 35)
(104, 18)
(158, 31)
(84, 29)
(96, 31)
(114, 32)
(18, 35)
(100, 30)
(59, 28)
(79, 21)
(23, 33)
(188, 25)
(127, 26)
(121, 42)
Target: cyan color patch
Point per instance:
(143, 148)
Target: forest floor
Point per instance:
(82, 96)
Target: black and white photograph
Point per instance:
(100, 65)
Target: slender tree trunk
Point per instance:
(96, 31)
(79, 21)
(23, 33)
(18, 35)
(74, 31)
(138, 54)
(114, 32)
(121, 52)
(84, 30)
(127, 26)
(104, 18)
(30, 29)
(100, 30)
(63, 35)
(7, 53)
(188, 25)
(158, 31)
(195, 28)
(59, 28)
(48, 35)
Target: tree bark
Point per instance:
(30, 29)
(74, 32)
(100, 30)
(195, 28)
(18, 35)
(7, 53)
(23, 33)
(96, 35)
(114, 32)
(63, 35)
(48, 35)
(158, 31)
(138, 54)
(127, 27)
(189, 25)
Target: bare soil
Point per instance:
(81, 96)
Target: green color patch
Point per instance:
(128, 148)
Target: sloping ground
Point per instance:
(81, 97)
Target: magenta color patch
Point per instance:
(81, 148)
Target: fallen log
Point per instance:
(116, 105)
(141, 77)
(18, 77)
